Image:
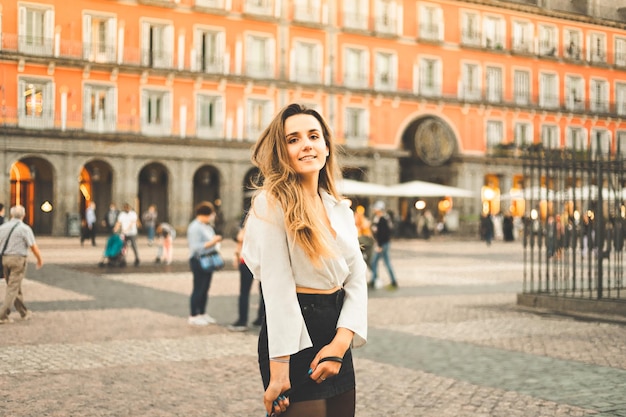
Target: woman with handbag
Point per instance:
(301, 243)
(202, 241)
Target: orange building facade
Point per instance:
(158, 101)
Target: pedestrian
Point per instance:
(165, 234)
(382, 228)
(245, 285)
(110, 218)
(90, 224)
(364, 230)
(486, 227)
(16, 238)
(1, 213)
(149, 221)
(301, 243)
(127, 223)
(201, 239)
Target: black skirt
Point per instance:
(320, 312)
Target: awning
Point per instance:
(361, 188)
(406, 189)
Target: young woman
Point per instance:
(301, 243)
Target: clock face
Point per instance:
(434, 142)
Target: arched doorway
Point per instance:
(95, 184)
(153, 190)
(206, 187)
(32, 187)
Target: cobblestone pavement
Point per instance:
(449, 342)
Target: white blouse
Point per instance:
(280, 264)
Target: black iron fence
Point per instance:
(575, 222)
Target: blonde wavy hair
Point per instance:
(282, 184)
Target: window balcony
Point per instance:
(209, 65)
(307, 13)
(470, 38)
(210, 4)
(210, 132)
(99, 52)
(101, 123)
(355, 80)
(429, 32)
(356, 140)
(35, 45)
(259, 69)
(573, 52)
(356, 21)
(307, 75)
(385, 25)
(156, 59)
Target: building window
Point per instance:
(547, 40)
(260, 56)
(258, 117)
(522, 37)
(156, 111)
(99, 108)
(208, 52)
(548, 91)
(36, 30)
(356, 125)
(386, 70)
(576, 138)
(307, 11)
(495, 133)
(209, 116)
(431, 23)
(259, 7)
(307, 62)
(35, 101)
(99, 38)
(597, 48)
(470, 32)
(523, 134)
(574, 93)
(430, 77)
(620, 98)
(521, 87)
(620, 52)
(620, 151)
(493, 32)
(385, 17)
(355, 14)
(355, 68)
(601, 138)
(494, 84)
(572, 41)
(471, 82)
(212, 4)
(599, 96)
(157, 45)
(550, 136)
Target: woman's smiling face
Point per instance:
(306, 144)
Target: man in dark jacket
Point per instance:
(382, 228)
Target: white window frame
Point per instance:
(431, 23)
(575, 93)
(550, 137)
(306, 61)
(96, 49)
(163, 56)
(548, 40)
(156, 121)
(45, 120)
(596, 48)
(494, 133)
(259, 7)
(548, 94)
(620, 98)
(386, 67)
(259, 112)
(356, 123)
(264, 47)
(208, 52)
(599, 95)
(572, 44)
(386, 16)
(494, 32)
(32, 40)
(99, 107)
(307, 11)
(430, 88)
(355, 68)
(523, 134)
(605, 141)
(209, 120)
(356, 14)
(471, 81)
(620, 144)
(493, 84)
(211, 4)
(521, 96)
(470, 35)
(576, 134)
(620, 51)
(522, 36)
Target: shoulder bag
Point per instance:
(211, 261)
(6, 242)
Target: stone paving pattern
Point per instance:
(449, 342)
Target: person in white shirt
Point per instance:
(301, 242)
(127, 225)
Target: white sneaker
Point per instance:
(198, 321)
(209, 319)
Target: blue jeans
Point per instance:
(384, 253)
(201, 284)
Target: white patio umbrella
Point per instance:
(361, 188)
(428, 189)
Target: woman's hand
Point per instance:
(275, 403)
(337, 348)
